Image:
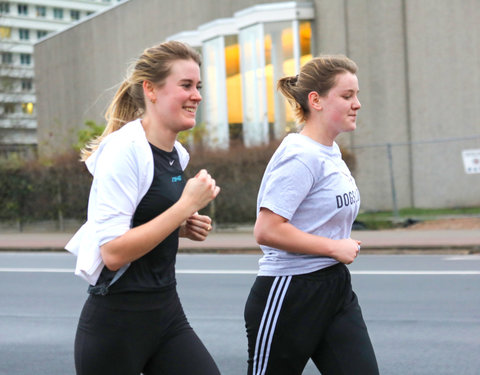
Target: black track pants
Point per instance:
(290, 319)
(132, 334)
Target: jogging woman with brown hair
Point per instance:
(301, 305)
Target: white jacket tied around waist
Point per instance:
(122, 169)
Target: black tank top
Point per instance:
(155, 271)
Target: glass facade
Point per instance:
(252, 60)
(287, 48)
(234, 88)
(241, 68)
(269, 52)
(215, 102)
(222, 91)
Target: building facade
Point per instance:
(418, 72)
(22, 24)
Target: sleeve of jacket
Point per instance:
(117, 190)
(123, 171)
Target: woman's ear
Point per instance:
(314, 100)
(149, 91)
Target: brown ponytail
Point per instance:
(319, 74)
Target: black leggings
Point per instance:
(290, 319)
(129, 334)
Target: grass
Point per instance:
(387, 219)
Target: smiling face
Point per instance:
(177, 99)
(340, 105)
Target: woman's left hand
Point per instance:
(197, 227)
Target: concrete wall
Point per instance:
(375, 40)
(79, 69)
(419, 79)
(443, 39)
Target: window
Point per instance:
(6, 84)
(5, 32)
(4, 7)
(22, 9)
(222, 92)
(41, 11)
(27, 84)
(234, 88)
(58, 13)
(25, 59)
(41, 33)
(27, 108)
(75, 14)
(275, 40)
(9, 108)
(24, 34)
(216, 105)
(281, 51)
(255, 124)
(7, 58)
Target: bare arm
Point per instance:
(138, 241)
(275, 231)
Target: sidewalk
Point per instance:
(242, 240)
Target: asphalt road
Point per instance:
(423, 311)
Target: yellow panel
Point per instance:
(5, 32)
(234, 84)
(287, 42)
(234, 99)
(27, 108)
(232, 59)
(270, 92)
(305, 32)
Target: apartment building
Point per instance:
(22, 24)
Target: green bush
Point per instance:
(58, 189)
(238, 172)
(37, 190)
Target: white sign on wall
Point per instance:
(471, 161)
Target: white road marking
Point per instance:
(464, 257)
(34, 270)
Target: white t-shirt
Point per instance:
(310, 185)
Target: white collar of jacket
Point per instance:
(122, 168)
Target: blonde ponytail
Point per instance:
(128, 104)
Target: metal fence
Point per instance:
(423, 174)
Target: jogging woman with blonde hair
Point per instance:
(301, 305)
(139, 204)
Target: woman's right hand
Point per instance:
(200, 190)
(346, 250)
